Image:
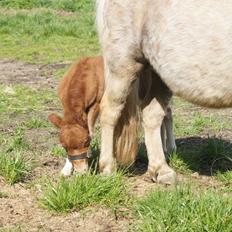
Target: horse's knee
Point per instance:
(119, 78)
(153, 115)
(110, 110)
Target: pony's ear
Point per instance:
(56, 120)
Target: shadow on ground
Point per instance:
(207, 156)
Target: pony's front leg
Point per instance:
(118, 84)
(158, 168)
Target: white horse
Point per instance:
(188, 43)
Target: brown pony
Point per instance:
(81, 91)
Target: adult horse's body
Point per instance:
(188, 43)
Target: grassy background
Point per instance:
(52, 32)
(43, 35)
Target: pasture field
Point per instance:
(39, 39)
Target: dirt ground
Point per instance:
(21, 207)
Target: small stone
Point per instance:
(195, 175)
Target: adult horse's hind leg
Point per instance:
(119, 76)
(164, 137)
(168, 122)
(153, 115)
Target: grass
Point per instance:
(226, 180)
(204, 155)
(82, 191)
(67, 5)
(59, 73)
(217, 154)
(60, 32)
(35, 123)
(45, 36)
(13, 229)
(17, 142)
(14, 167)
(225, 177)
(45, 24)
(178, 164)
(182, 209)
(196, 124)
(26, 100)
(58, 151)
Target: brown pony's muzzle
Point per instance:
(79, 160)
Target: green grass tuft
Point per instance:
(216, 154)
(58, 151)
(45, 24)
(14, 167)
(178, 163)
(225, 177)
(35, 123)
(17, 143)
(26, 100)
(86, 190)
(67, 5)
(47, 37)
(182, 210)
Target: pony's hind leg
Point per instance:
(119, 78)
(164, 137)
(153, 115)
(168, 122)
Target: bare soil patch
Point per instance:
(36, 76)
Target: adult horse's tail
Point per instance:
(126, 131)
(126, 137)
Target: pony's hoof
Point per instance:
(107, 169)
(168, 178)
(164, 176)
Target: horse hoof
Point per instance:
(167, 178)
(107, 169)
(164, 175)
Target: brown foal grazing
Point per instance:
(80, 92)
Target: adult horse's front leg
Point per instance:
(153, 115)
(119, 78)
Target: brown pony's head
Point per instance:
(76, 141)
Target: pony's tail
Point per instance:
(126, 132)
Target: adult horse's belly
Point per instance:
(193, 49)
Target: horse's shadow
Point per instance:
(207, 156)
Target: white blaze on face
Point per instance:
(67, 169)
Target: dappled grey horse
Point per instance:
(189, 45)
